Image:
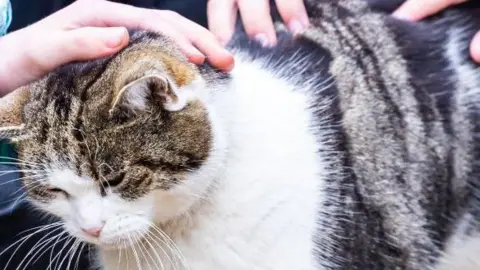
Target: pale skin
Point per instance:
(91, 29)
(255, 15)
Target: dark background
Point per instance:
(26, 12)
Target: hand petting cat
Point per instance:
(90, 29)
(415, 10)
(256, 18)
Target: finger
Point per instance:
(172, 31)
(76, 45)
(114, 14)
(221, 15)
(204, 40)
(257, 20)
(294, 14)
(475, 48)
(415, 10)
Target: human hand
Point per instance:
(418, 9)
(91, 29)
(255, 17)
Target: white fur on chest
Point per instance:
(264, 206)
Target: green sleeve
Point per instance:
(6, 150)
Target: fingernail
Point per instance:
(295, 27)
(262, 39)
(115, 36)
(475, 48)
(196, 57)
(400, 15)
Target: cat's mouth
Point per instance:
(111, 239)
(111, 244)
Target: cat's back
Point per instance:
(401, 109)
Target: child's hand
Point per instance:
(256, 18)
(90, 29)
(418, 9)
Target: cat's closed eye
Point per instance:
(57, 191)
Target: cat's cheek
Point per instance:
(124, 231)
(116, 205)
(56, 207)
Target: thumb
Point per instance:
(80, 44)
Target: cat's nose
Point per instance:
(93, 231)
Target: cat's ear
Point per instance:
(149, 90)
(11, 121)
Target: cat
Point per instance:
(352, 145)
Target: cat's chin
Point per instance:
(110, 244)
(112, 247)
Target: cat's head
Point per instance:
(115, 145)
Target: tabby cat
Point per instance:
(351, 146)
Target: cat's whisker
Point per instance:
(18, 179)
(169, 243)
(18, 164)
(175, 254)
(34, 228)
(71, 253)
(135, 254)
(67, 240)
(156, 238)
(22, 240)
(42, 244)
(26, 237)
(28, 186)
(20, 198)
(38, 246)
(84, 136)
(57, 257)
(143, 249)
(2, 173)
(22, 161)
(58, 238)
(35, 180)
(105, 164)
(176, 251)
(97, 146)
(51, 257)
(159, 260)
(80, 250)
(196, 196)
(15, 200)
(124, 243)
(68, 255)
(119, 255)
